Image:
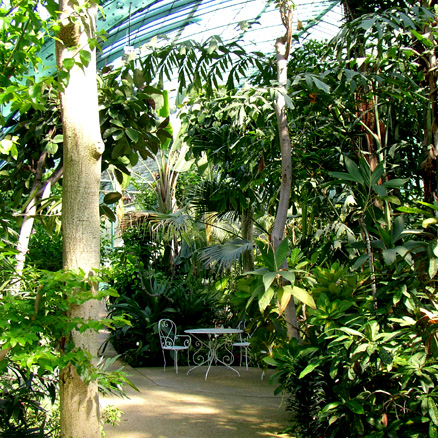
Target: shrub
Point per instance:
(27, 403)
(365, 367)
(145, 300)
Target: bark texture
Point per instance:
(83, 147)
(277, 235)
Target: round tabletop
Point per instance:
(213, 331)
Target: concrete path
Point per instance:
(187, 406)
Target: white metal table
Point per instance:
(213, 339)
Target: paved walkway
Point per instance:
(181, 406)
(170, 405)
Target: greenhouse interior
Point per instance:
(219, 218)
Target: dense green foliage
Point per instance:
(148, 293)
(361, 246)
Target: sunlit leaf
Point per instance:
(309, 368)
(85, 57)
(266, 299)
(303, 296)
(284, 294)
(429, 221)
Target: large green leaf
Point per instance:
(343, 176)
(303, 296)
(288, 275)
(389, 255)
(350, 331)
(433, 266)
(353, 170)
(68, 63)
(309, 368)
(117, 122)
(377, 173)
(284, 294)
(268, 279)
(267, 255)
(85, 57)
(132, 134)
(266, 299)
(355, 407)
(321, 85)
(398, 228)
(112, 198)
(281, 252)
(380, 190)
(395, 183)
(433, 410)
(105, 210)
(412, 210)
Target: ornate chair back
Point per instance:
(167, 331)
(171, 341)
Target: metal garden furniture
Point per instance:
(243, 343)
(215, 341)
(171, 341)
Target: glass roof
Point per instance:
(256, 24)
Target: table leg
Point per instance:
(213, 344)
(227, 358)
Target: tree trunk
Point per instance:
(248, 234)
(83, 147)
(277, 235)
(39, 189)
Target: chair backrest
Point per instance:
(167, 331)
(243, 337)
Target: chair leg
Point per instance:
(164, 357)
(246, 358)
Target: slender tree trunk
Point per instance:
(248, 234)
(277, 235)
(38, 190)
(23, 241)
(83, 148)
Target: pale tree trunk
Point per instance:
(277, 235)
(83, 148)
(247, 223)
(39, 189)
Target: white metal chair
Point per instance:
(171, 341)
(243, 343)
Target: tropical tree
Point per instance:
(83, 148)
(233, 131)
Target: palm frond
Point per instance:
(225, 255)
(213, 196)
(177, 222)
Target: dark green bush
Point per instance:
(145, 299)
(24, 400)
(45, 250)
